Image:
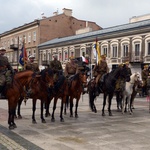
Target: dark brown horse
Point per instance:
(13, 93)
(60, 91)
(75, 90)
(40, 89)
(108, 88)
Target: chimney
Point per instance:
(55, 13)
(67, 12)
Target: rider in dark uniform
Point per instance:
(6, 71)
(56, 66)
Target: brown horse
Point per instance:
(13, 93)
(60, 91)
(75, 90)
(40, 90)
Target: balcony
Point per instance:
(14, 47)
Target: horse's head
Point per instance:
(83, 77)
(48, 76)
(136, 77)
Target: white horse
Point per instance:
(128, 91)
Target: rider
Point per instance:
(128, 68)
(31, 65)
(101, 68)
(56, 66)
(144, 74)
(6, 71)
(71, 67)
(34, 67)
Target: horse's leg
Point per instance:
(109, 104)
(66, 105)
(47, 106)
(54, 108)
(76, 108)
(117, 99)
(71, 106)
(33, 110)
(19, 107)
(123, 104)
(61, 108)
(91, 101)
(42, 109)
(129, 105)
(104, 103)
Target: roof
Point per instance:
(120, 28)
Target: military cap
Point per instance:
(127, 63)
(146, 66)
(31, 56)
(2, 49)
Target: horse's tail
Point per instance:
(67, 101)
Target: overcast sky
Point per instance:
(106, 13)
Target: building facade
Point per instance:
(42, 30)
(129, 42)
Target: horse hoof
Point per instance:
(11, 127)
(76, 116)
(103, 114)
(43, 121)
(34, 122)
(71, 116)
(47, 114)
(110, 114)
(62, 120)
(52, 120)
(19, 117)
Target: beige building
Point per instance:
(129, 42)
(42, 30)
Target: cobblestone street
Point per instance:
(89, 131)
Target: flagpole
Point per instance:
(24, 60)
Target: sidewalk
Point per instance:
(89, 131)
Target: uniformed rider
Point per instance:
(100, 69)
(71, 68)
(31, 65)
(56, 66)
(144, 74)
(6, 71)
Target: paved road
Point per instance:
(89, 131)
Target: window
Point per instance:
(125, 50)
(137, 49)
(34, 36)
(65, 55)
(104, 52)
(83, 52)
(60, 56)
(114, 51)
(148, 49)
(29, 37)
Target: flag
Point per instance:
(23, 56)
(85, 60)
(96, 51)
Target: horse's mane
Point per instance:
(43, 72)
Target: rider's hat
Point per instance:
(103, 56)
(146, 66)
(2, 49)
(71, 57)
(31, 56)
(127, 63)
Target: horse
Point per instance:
(40, 89)
(107, 87)
(14, 90)
(60, 91)
(75, 89)
(136, 77)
